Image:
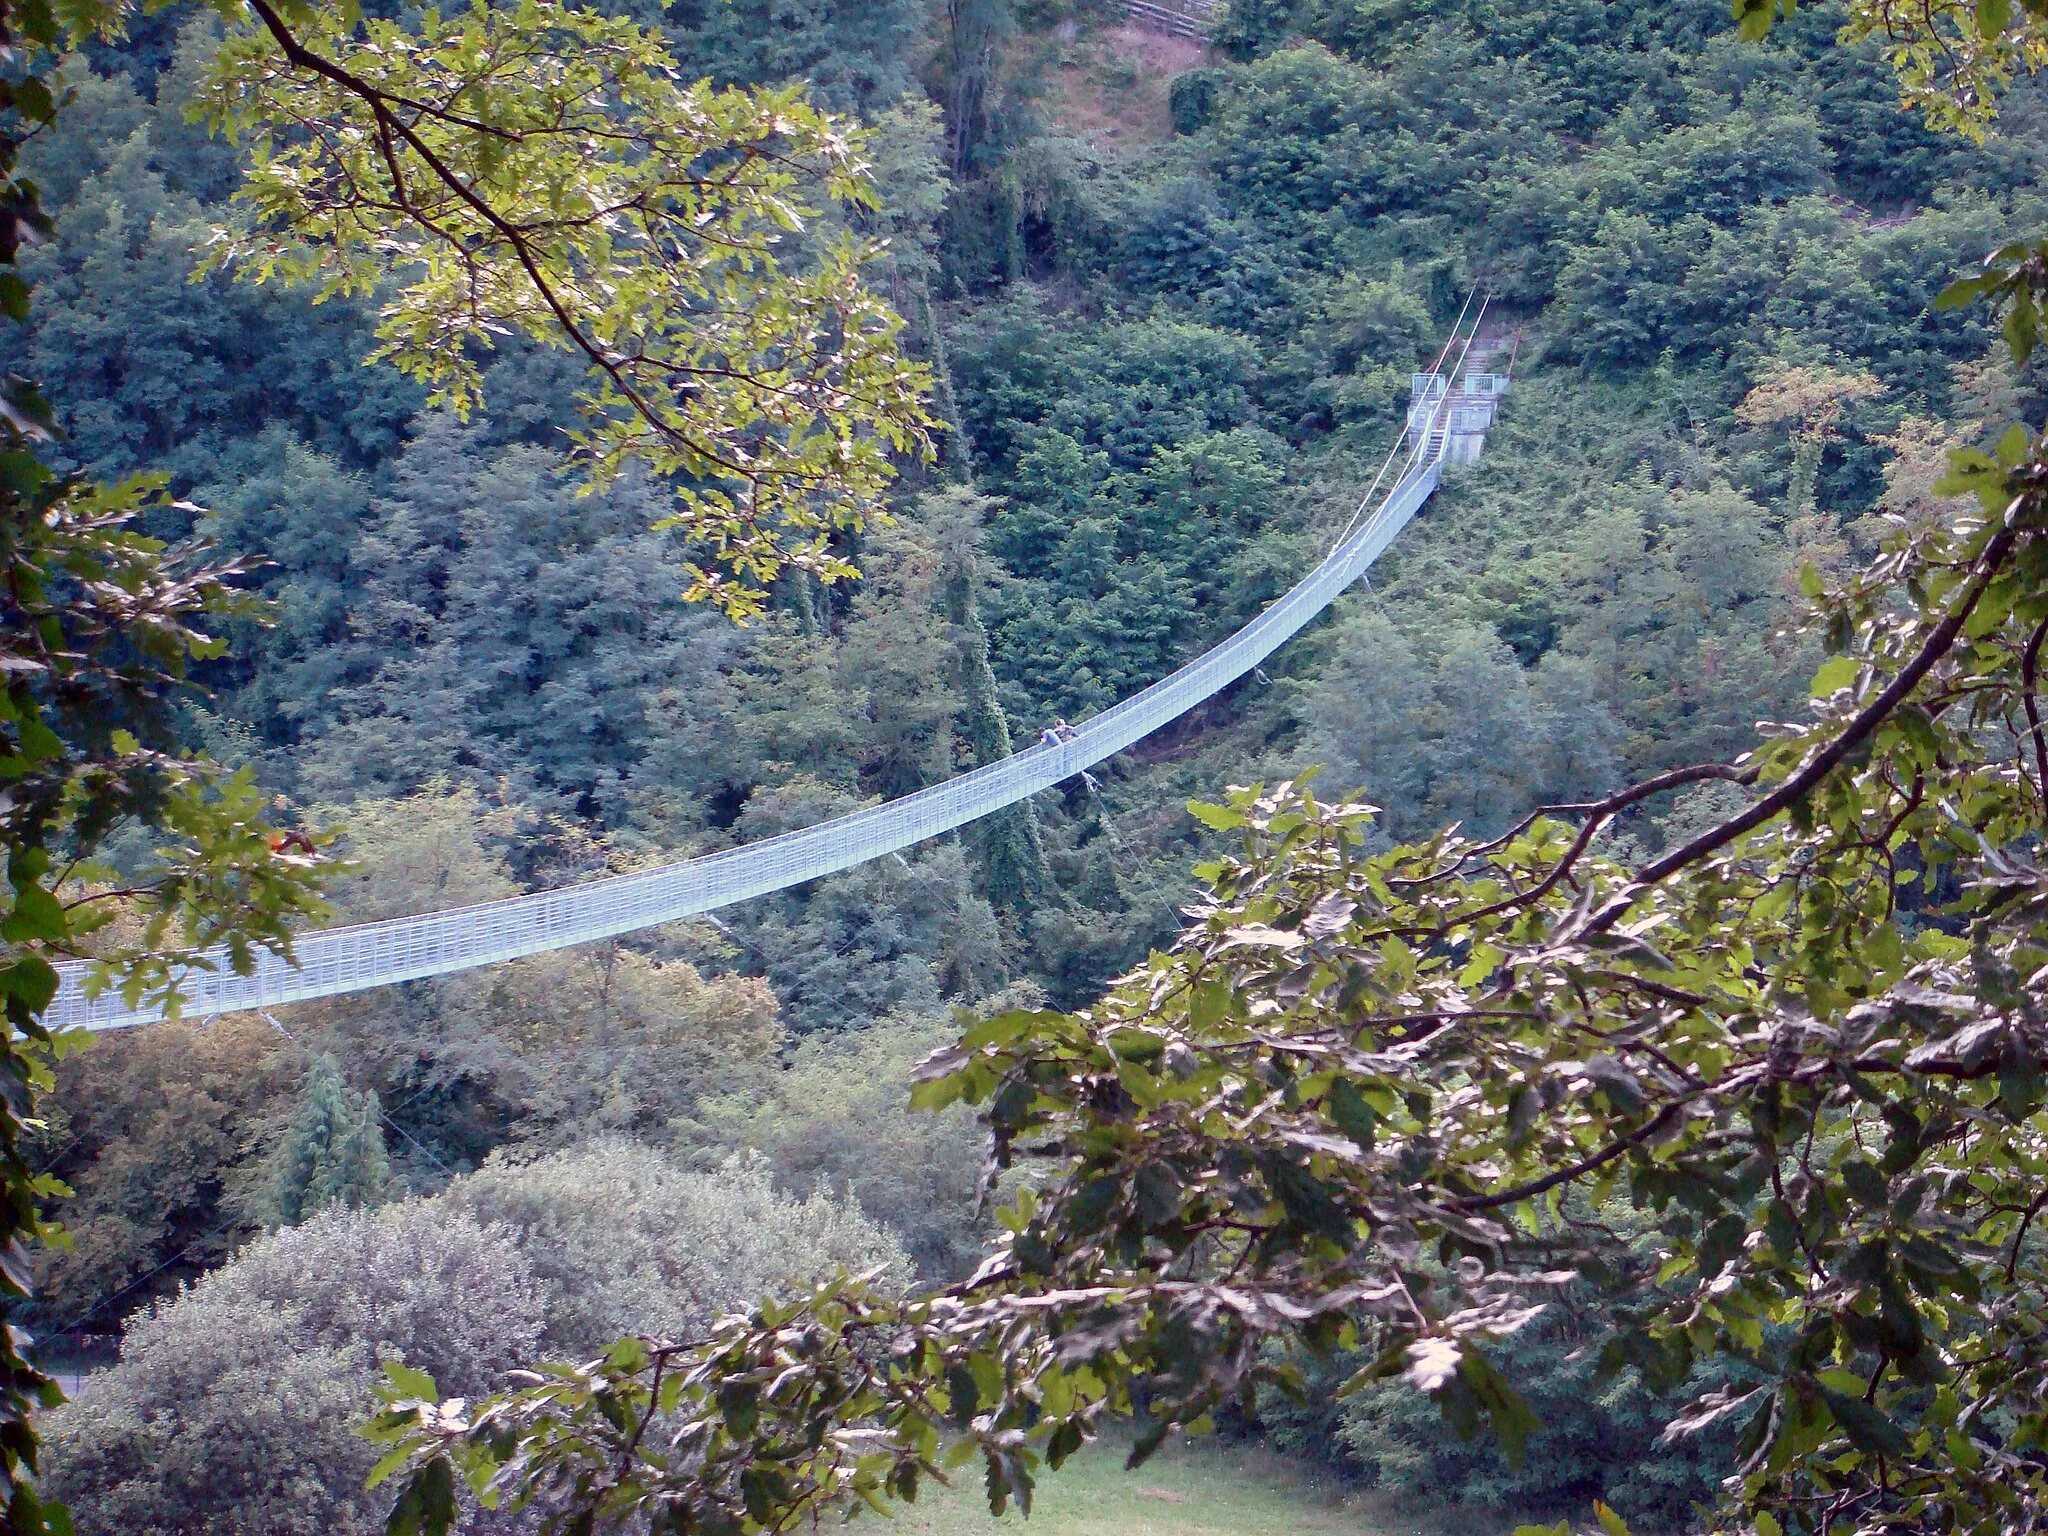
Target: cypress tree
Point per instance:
(974, 29)
(1006, 844)
(333, 1152)
(956, 449)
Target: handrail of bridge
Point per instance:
(360, 956)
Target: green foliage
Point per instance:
(1177, 370)
(136, 248)
(233, 1406)
(1421, 733)
(154, 371)
(891, 936)
(1954, 60)
(286, 1445)
(1249, 28)
(476, 563)
(160, 1137)
(333, 1149)
(854, 57)
(838, 1118)
(545, 1052)
(537, 171)
(1648, 633)
(1012, 855)
(101, 624)
(1349, 1108)
(1599, 1437)
(624, 1239)
(1136, 497)
(975, 31)
(1192, 98)
(1375, 1080)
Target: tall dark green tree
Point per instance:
(1007, 844)
(975, 30)
(333, 1153)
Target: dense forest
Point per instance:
(1172, 297)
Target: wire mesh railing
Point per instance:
(365, 955)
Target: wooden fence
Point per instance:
(1185, 18)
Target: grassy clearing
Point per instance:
(1109, 84)
(1198, 1490)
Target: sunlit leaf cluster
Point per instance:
(1954, 59)
(538, 170)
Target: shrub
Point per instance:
(226, 1424)
(233, 1409)
(1597, 1440)
(234, 1405)
(839, 1119)
(624, 1239)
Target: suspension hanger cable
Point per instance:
(1419, 446)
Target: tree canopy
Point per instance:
(1393, 1100)
(1761, 1076)
(537, 170)
(515, 167)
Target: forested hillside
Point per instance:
(1172, 324)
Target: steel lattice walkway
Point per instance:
(1451, 407)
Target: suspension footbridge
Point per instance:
(1450, 408)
